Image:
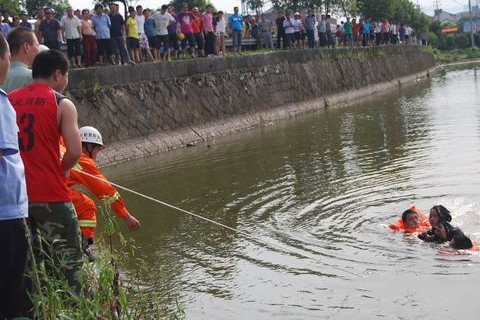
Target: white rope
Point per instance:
(214, 222)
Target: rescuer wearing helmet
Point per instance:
(92, 143)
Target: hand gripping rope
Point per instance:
(246, 234)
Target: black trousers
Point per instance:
(14, 284)
(210, 43)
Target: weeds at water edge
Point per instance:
(110, 292)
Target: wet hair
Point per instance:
(164, 7)
(443, 213)
(85, 10)
(17, 37)
(97, 6)
(47, 62)
(406, 213)
(3, 46)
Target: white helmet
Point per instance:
(90, 135)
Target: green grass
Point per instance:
(454, 55)
(112, 293)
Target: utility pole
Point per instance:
(472, 37)
(436, 5)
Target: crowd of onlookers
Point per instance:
(146, 35)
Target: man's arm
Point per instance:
(67, 120)
(59, 31)
(79, 28)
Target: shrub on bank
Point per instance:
(112, 293)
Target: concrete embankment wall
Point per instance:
(145, 109)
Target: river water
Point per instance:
(316, 193)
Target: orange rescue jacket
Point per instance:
(104, 191)
(401, 226)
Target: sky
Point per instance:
(427, 6)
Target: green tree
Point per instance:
(255, 5)
(12, 6)
(33, 6)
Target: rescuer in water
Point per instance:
(442, 231)
(92, 143)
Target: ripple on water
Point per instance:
(317, 194)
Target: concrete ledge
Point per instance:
(164, 141)
(150, 108)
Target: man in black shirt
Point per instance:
(280, 29)
(117, 34)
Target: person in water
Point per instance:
(412, 220)
(442, 231)
(438, 215)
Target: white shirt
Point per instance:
(393, 29)
(70, 26)
(408, 31)
(162, 20)
(140, 22)
(221, 26)
(297, 23)
(288, 26)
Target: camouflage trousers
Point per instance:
(56, 241)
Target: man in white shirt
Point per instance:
(394, 33)
(162, 20)
(288, 25)
(408, 33)
(142, 38)
(71, 28)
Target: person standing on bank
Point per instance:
(88, 39)
(14, 300)
(221, 29)
(43, 116)
(280, 30)
(265, 27)
(72, 29)
(117, 34)
(310, 28)
(235, 23)
(209, 31)
(36, 26)
(133, 38)
(50, 30)
(101, 24)
(24, 47)
(24, 21)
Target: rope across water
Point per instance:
(246, 234)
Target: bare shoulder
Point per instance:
(66, 103)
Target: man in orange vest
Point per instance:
(92, 143)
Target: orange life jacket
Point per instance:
(401, 226)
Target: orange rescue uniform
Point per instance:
(104, 191)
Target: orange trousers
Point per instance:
(86, 213)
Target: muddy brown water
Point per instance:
(318, 192)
